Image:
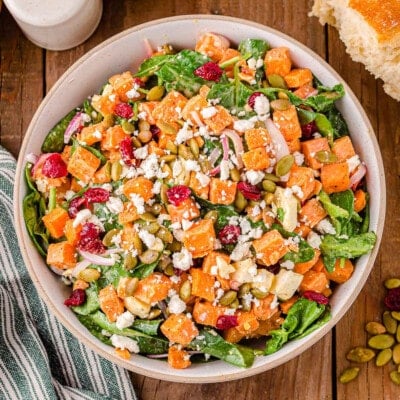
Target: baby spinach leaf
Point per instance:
(92, 301)
(212, 343)
(149, 327)
(144, 270)
(322, 320)
(153, 64)
(109, 219)
(333, 210)
(337, 121)
(54, 141)
(89, 110)
(305, 253)
(326, 97)
(110, 275)
(255, 48)
(230, 95)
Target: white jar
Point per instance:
(56, 24)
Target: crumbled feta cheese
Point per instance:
(176, 305)
(261, 105)
(81, 217)
(141, 152)
(147, 238)
(208, 112)
(176, 168)
(298, 158)
(149, 166)
(254, 177)
(123, 342)
(133, 93)
(288, 264)
(156, 187)
(314, 240)
(251, 62)
(182, 260)
(224, 269)
(259, 63)
(124, 320)
(353, 163)
(69, 194)
(115, 205)
(192, 165)
(297, 191)
(203, 179)
(240, 251)
(138, 202)
(186, 224)
(224, 172)
(242, 125)
(184, 134)
(324, 226)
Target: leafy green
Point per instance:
(147, 344)
(255, 48)
(147, 326)
(209, 342)
(89, 110)
(54, 141)
(109, 219)
(305, 253)
(337, 122)
(230, 95)
(326, 97)
(92, 301)
(153, 64)
(110, 275)
(333, 210)
(324, 127)
(304, 316)
(143, 270)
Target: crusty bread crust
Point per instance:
(370, 29)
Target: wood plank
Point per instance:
(21, 77)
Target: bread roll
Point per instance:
(370, 29)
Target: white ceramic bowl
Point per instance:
(125, 51)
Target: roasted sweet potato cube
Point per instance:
(270, 247)
(178, 358)
(210, 264)
(105, 104)
(110, 303)
(228, 55)
(202, 284)
(212, 45)
(222, 192)
(232, 335)
(303, 267)
(303, 178)
(178, 328)
(277, 61)
(170, 107)
(199, 239)
(153, 288)
(130, 239)
(192, 109)
(205, 313)
(311, 147)
(219, 121)
(61, 255)
(113, 137)
(102, 175)
(298, 77)
(146, 111)
(262, 308)
(335, 177)
(91, 134)
(288, 123)
(315, 281)
(71, 232)
(248, 322)
(342, 271)
(256, 159)
(312, 212)
(140, 186)
(83, 164)
(360, 200)
(305, 91)
(55, 222)
(201, 188)
(187, 209)
(343, 148)
(124, 83)
(257, 137)
(128, 214)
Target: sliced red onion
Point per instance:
(196, 118)
(96, 259)
(356, 177)
(214, 155)
(75, 125)
(280, 145)
(147, 47)
(237, 144)
(225, 147)
(312, 93)
(114, 251)
(31, 158)
(80, 266)
(40, 161)
(215, 171)
(163, 308)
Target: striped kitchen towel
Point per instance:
(39, 359)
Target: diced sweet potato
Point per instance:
(288, 123)
(113, 137)
(232, 335)
(286, 305)
(315, 281)
(83, 164)
(91, 134)
(360, 200)
(229, 54)
(312, 212)
(310, 148)
(256, 159)
(262, 308)
(199, 239)
(105, 104)
(248, 322)
(298, 77)
(130, 239)
(202, 284)
(197, 186)
(302, 177)
(146, 111)
(61, 255)
(110, 303)
(102, 175)
(187, 209)
(270, 247)
(277, 61)
(154, 148)
(170, 107)
(140, 186)
(305, 91)
(123, 353)
(205, 313)
(164, 138)
(219, 121)
(342, 271)
(122, 84)
(55, 222)
(303, 230)
(194, 105)
(302, 268)
(222, 192)
(178, 328)
(294, 145)
(343, 148)
(335, 177)
(128, 214)
(210, 261)
(153, 288)
(71, 232)
(212, 45)
(257, 137)
(178, 358)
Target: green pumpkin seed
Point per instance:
(128, 127)
(244, 289)
(246, 304)
(175, 246)
(235, 174)
(268, 198)
(280, 105)
(109, 236)
(235, 304)
(136, 142)
(259, 124)
(396, 354)
(169, 270)
(240, 201)
(165, 235)
(116, 170)
(167, 128)
(269, 186)
(349, 374)
(194, 148)
(228, 297)
(163, 193)
(395, 377)
(185, 290)
(258, 294)
(282, 95)
(325, 157)
(156, 208)
(276, 81)
(154, 313)
(284, 164)
(212, 214)
(396, 315)
(375, 328)
(271, 177)
(360, 354)
(155, 93)
(148, 217)
(89, 275)
(149, 256)
(171, 147)
(185, 152)
(389, 322)
(108, 121)
(151, 227)
(392, 283)
(168, 158)
(205, 165)
(130, 261)
(383, 357)
(143, 125)
(380, 342)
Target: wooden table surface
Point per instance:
(28, 72)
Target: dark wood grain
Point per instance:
(28, 72)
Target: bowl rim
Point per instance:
(238, 373)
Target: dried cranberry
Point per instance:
(209, 71)
(252, 99)
(54, 166)
(138, 81)
(227, 321)
(249, 191)
(127, 151)
(77, 298)
(315, 296)
(96, 195)
(123, 110)
(392, 299)
(177, 194)
(229, 234)
(89, 239)
(74, 206)
(308, 129)
(274, 268)
(155, 132)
